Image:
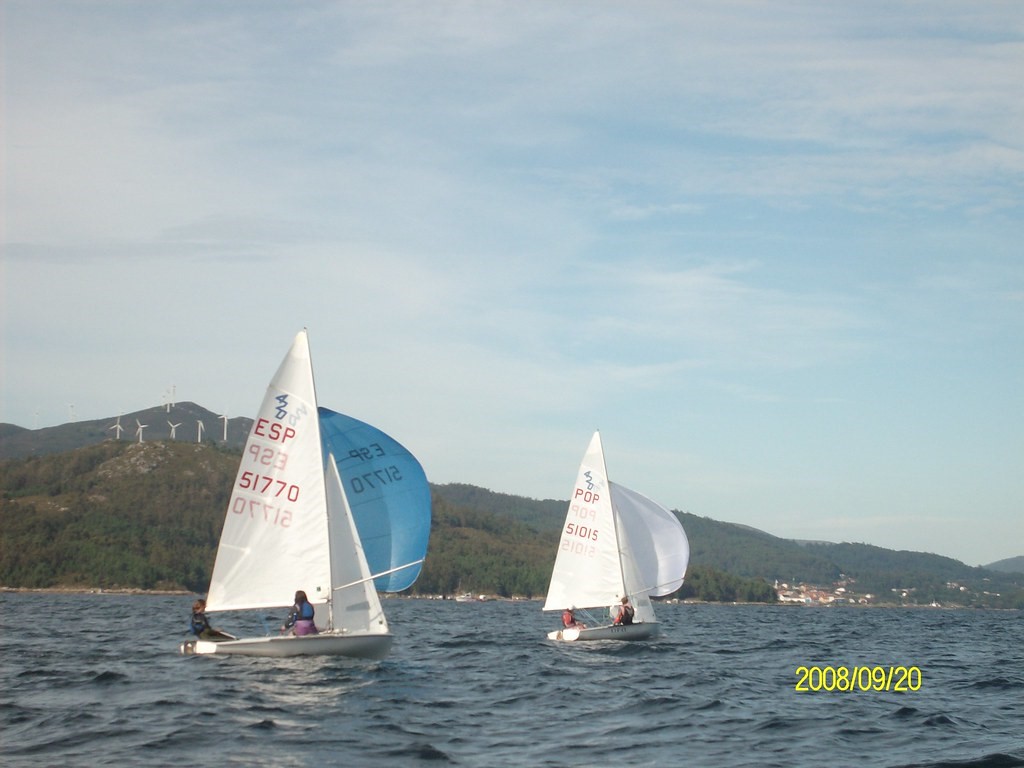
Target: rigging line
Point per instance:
(587, 615)
(658, 586)
(376, 575)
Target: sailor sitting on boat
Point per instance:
(625, 615)
(200, 624)
(300, 620)
(570, 621)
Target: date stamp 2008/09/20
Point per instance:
(898, 679)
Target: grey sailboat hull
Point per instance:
(357, 646)
(640, 631)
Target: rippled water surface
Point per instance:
(96, 680)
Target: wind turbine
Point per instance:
(139, 430)
(199, 437)
(173, 428)
(225, 426)
(119, 429)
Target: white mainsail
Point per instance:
(275, 537)
(587, 571)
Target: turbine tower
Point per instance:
(199, 436)
(139, 430)
(225, 418)
(117, 427)
(173, 427)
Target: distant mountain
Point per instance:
(17, 442)
(746, 552)
(543, 516)
(80, 507)
(1009, 565)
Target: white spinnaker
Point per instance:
(355, 607)
(587, 573)
(275, 536)
(655, 541)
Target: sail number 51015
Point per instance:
(581, 531)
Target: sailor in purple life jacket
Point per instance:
(300, 620)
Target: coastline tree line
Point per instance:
(148, 516)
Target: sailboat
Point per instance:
(323, 503)
(616, 543)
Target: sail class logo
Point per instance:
(590, 480)
(282, 407)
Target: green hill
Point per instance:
(114, 515)
(18, 442)
(1009, 565)
(733, 562)
(122, 514)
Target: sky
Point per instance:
(773, 251)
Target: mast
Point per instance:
(615, 517)
(323, 478)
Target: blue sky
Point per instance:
(773, 251)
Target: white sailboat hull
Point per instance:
(357, 646)
(641, 631)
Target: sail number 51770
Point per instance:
(258, 509)
(268, 486)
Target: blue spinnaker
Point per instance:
(388, 493)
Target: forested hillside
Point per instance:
(148, 515)
(145, 515)
(1009, 565)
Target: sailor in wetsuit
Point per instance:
(200, 625)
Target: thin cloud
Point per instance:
(751, 241)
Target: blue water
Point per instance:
(88, 680)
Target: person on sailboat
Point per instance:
(625, 614)
(300, 620)
(200, 625)
(569, 620)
